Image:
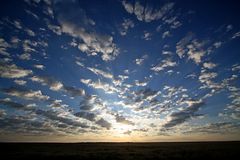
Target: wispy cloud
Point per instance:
(166, 63)
(13, 71)
(147, 13)
(93, 43)
(181, 116)
(125, 26)
(24, 93)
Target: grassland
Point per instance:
(118, 151)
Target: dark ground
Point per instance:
(115, 151)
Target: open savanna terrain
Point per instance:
(115, 151)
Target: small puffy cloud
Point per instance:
(13, 71)
(15, 40)
(236, 67)
(166, 34)
(25, 94)
(123, 120)
(3, 47)
(20, 82)
(28, 46)
(32, 14)
(173, 22)
(25, 56)
(205, 77)
(55, 29)
(74, 22)
(209, 65)
(183, 115)
(107, 88)
(235, 115)
(147, 36)
(147, 13)
(86, 115)
(39, 66)
(84, 48)
(2, 113)
(57, 103)
(127, 23)
(142, 99)
(90, 102)
(166, 52)
(229, 27)
(217, 44)
(193, 54)
(58, 86)
(62, 117)
(101, 72)
(192, 76)
(73, 91)
(213, 128)
(128, 7)
(80, 64)
(138, 83)
(139, 61)
(30, 32)
(236, 35)
(193, 48)
(54, 85)
(103, 123)
(166, 63)
(48, 11)
(8, 102)
(17, 24)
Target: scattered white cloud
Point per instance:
(139, 61)
(20, 82)
(125, 26)
(192, 76)
(25, 94)
(147, 36)
(13, 71)
(39, 66)
(166, 63)
(229, 27)
(166, 34)
(194, 49)
(93, 43)
(209, 65)
(205, 77)
(54, 85)
(183, 115)
(25, 56)
(236, 67)
(217, 44)
(56, 29)
(32, 14)
(236, 35)
(3, 47)
(17, 24)
(101, 72)
(138, 83)
(123, 120)
(30, 32)
(107, 88)
(147, 13)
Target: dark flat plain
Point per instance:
(120, 151)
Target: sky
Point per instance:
(113, 70)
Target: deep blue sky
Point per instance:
(119, 70)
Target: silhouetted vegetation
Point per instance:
(117, 151)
